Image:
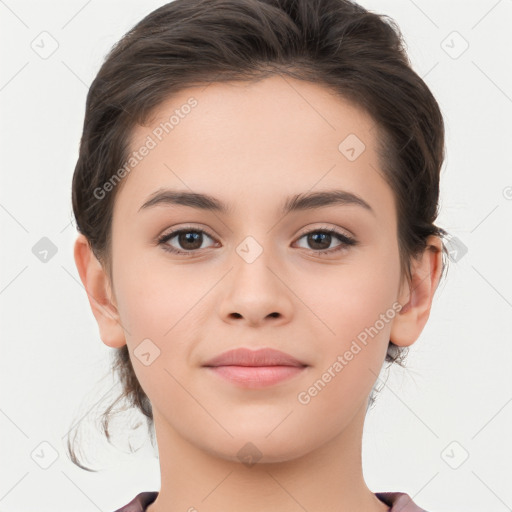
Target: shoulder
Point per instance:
(399, 501)
(140, 502)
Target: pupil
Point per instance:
(323, 236)
(190, 237)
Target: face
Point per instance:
(319, 283)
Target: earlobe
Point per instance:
(416, 296)
(99, 293)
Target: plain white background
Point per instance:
(440, 430)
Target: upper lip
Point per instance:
(247, 357)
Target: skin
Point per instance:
(252, 145)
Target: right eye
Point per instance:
(189, 238)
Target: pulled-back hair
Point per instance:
(357, 54)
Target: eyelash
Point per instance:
(345, 240)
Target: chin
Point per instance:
(251, 450)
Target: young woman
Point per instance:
(256, 194)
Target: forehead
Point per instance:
(247, 140)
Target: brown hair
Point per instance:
(337, 43)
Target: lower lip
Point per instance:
(256, 376)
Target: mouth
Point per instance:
(255, 369)
(256, 376)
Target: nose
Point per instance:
(256, 292)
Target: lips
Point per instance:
(261, 357)
(255, 369)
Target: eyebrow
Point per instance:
(298, 202)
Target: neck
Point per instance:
(328, 479)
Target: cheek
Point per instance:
(157, 309)
(350, 298)
(358, 309)
(156, 298)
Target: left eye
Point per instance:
(192, 240)
(324, 237)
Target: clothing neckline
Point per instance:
(391, 498)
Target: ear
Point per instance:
(416, 296)
(99, 292)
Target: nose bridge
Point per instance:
(257, 246)
(255, 291)
(253, 259)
